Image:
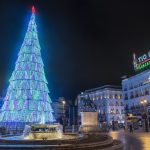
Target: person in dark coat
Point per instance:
(131, 128)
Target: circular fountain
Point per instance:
(50, 136)
(66, 142)
(42, 131)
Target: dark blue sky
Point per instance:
(85, 43)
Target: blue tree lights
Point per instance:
(27, 99)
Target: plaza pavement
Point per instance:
(139, 140)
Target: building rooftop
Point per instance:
(105, 87)
(137, 75)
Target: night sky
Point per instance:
(84, 43)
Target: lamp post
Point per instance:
(63, 117)
(113, 125)
(144, 116)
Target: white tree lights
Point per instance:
(27, 99)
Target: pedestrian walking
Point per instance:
(131, 128)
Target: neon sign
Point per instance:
(141, 62)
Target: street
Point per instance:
(135, 141)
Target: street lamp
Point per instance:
(113, 125)
(144, 103)
(63, 118)
(64, 102)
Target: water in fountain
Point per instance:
(42, 118)
(43, 131)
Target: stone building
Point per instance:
(108, 101)
(136, 93)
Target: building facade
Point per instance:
(61, 107)
(136, 93)
(108, 100)
(64, 109)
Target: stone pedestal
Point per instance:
(89, 122)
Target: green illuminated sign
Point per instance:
(141, 62)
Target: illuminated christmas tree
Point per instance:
(27, 99)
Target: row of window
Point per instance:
(111, 104)
(112, 111)
(108, 96)
(117, 111)
(135, 107)
(135, 85)
(135, 94)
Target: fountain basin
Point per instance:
(43, 131)
(67, 142)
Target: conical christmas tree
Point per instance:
(27, 100)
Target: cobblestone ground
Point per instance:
(136, 141)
